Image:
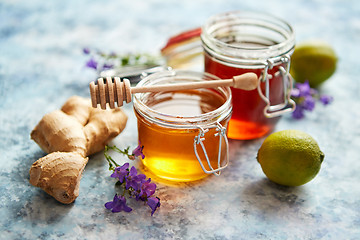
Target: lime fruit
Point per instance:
(314, 61)
(290, 157)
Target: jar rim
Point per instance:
(170, 120)
(237, 20)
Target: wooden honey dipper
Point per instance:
(115, 90)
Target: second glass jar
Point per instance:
(239, 42)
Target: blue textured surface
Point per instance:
(41, 65)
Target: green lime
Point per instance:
(314, 61)
(290, 157)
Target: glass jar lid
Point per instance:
(181, 121)
(247, 38)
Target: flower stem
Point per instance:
(110, 160)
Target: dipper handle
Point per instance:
(115, 90)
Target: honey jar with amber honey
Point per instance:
(183, 132)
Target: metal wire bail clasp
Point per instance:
(221, 132)
(288, 105)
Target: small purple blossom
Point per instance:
(121, 172)
(138, 151)
(295, 93)
(304, 88)
(118, 204)
(154, 203)
(298, 113)
(92, 63)
(305, 98)
(86, 51)
(147, 189)
(107, 66)
(326, 99)
(308, 103)
(133, 180)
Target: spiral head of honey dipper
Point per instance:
(110, 90)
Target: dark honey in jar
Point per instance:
(238, 42)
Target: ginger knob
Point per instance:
(58, 131)
(70, 135)
(59, 174)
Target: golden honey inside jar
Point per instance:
(183, 132)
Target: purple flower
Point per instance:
(305, 98)
(295, 93)
(154, 203)
(138, 151)
(131, 183)
(308, 103)
(298, 113)
(118, 204)
(107, 66)
(304, 88)
(133, 180)
(326, 99)
(92, 63)
(147, 189)
(120, 172)
(86, 50)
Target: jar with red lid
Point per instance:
(239, 42)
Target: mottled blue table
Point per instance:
(42, 64)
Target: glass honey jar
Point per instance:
(183, 132)
(238, 42)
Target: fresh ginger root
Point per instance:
(70, 135)
(59, 174)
